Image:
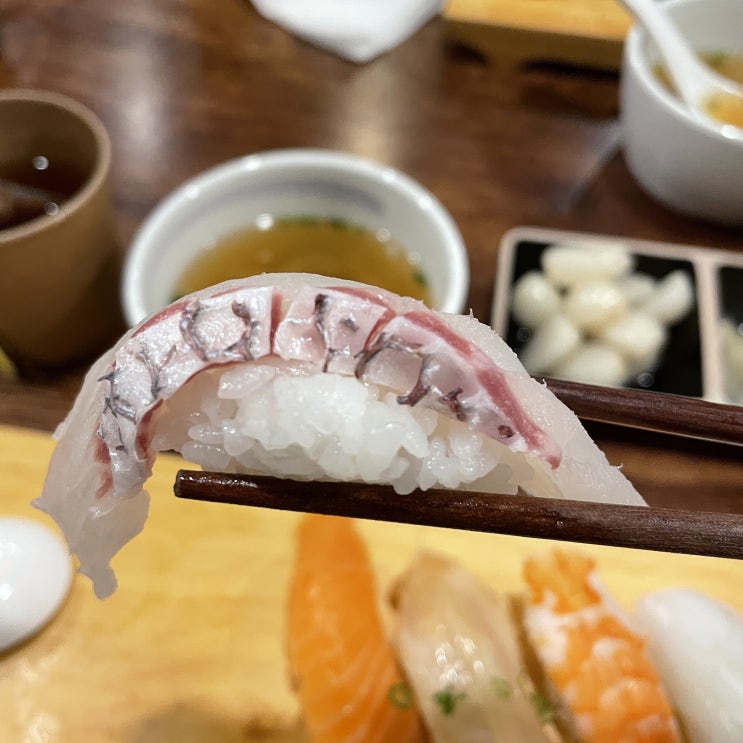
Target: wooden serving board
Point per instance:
(586, 33)
(190, 647)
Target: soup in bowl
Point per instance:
(313, 211)
(688, 163)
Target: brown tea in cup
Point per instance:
(33, 186)
(59, 257)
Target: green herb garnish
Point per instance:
(420, 278)
(305, 219)
(447, 699)
(338, 224)
(542, 706)
(503, 687)
(716, 59)
(400, 695)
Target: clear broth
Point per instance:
(331, 247)
(725, 108)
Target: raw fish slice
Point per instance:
(459, 646)
(598, 667)
(697, 644)
(303, 326)
(341, 661)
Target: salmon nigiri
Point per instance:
(598, 668)
(341, 661)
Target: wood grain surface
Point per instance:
(600, 18)
(190, 647)
(653, 411)
(183, 85)
(572, 32)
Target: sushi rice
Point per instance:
(292, 423)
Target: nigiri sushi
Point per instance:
(309, 377)
(598, 668)
(459, 646)
(697, 644)
(341, 661)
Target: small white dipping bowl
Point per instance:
(693, 166)
(295, 182)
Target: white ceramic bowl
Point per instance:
(295, 182)
(692, 166)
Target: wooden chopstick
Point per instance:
(665, 530)
(652, 411)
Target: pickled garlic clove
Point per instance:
(636, 288)
(638, 336)
(594, 363)
(672, 299)
(553, 341)
(569, 265)
(534, 299)
(594, 305)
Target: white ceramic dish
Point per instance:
(35, 578)
(298, 182)
(692, 363)
(692, 166)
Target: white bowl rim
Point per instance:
(636, 38)
(133, 301)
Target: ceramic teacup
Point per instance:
(58, 251)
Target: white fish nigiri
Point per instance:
(238, 370)
(459, 647)
(697, 646)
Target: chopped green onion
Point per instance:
(542, 706)
(717, 59)
(503, 687)
(338, 224)
(420, 278)
(300, 219)
(447, 699)
(400, 695)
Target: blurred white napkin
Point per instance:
(358, 30)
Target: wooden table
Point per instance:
(183, 85)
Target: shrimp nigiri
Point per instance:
(459, 646)
(340, 658)
(598, 668)
(697, 644)
(313, 378)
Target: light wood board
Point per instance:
(578, 32)
(190, 647)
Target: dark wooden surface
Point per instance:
(184, 84)
(653, 411)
